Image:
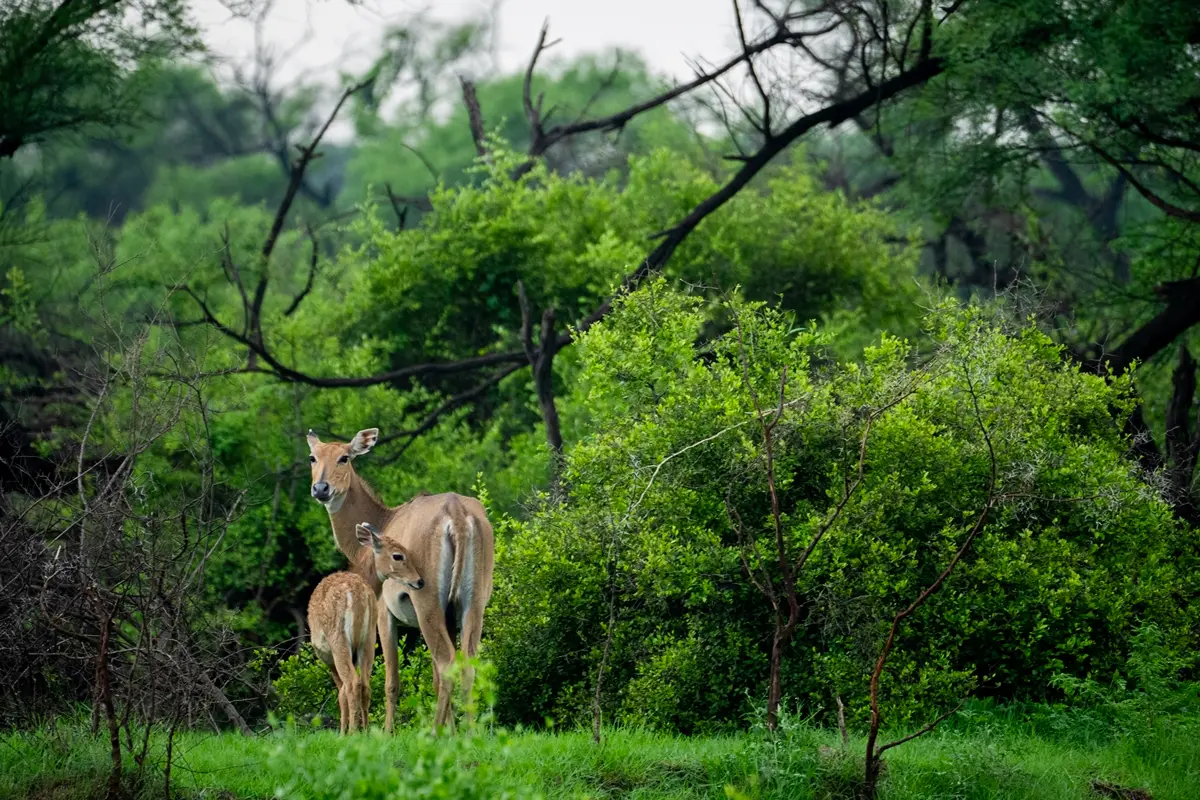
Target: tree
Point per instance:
(1061, 149)
(844, 28)
(70, 67)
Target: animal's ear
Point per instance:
(363, 441)
(313, 441)
(367, 536)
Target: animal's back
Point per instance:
(452, 540)
(341, 607)
(421, 516)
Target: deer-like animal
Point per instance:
(450, 542)
(341, 619)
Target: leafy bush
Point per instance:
(1143, 694)
(668, 495)
(305, 690)
(441, 289)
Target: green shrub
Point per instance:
(1144, 694)
(304, 688)
(668, 495)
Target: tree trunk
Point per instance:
(543, 379)
(541, 360)
(775, 688)
(871, 782)
(104, 694)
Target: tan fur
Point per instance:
(392, 561)
(340, 601)
(417, 527)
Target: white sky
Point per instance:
(338, 35)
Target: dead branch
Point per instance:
(764, 126)
(541, 359)
(450, 404)
(474, 116)
(307, 154)
(312, 274)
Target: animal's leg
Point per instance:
(472, 629)
(344, 664)
(337, 681)
(391, 662)
(432, 621)
(366, 664)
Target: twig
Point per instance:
(533, 112)
(454, 402)
(312, 274)
(433, 173)
(918, 734)
(307, 154)
(765, 127)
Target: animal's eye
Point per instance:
(312, 459)
(344, 460)
(397, 556)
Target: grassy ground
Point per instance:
(984, 754)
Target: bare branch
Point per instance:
(307, 154)
(533, 112)
(1167, 207)
(918, 734)
(450, 404)
(765, 127)
(398, 207)
(312, 274)
(830, 115)
(617, 121)
(232, 274)
(433, 173)
(474, 116)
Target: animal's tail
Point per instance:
(462, 535)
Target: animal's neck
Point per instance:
(359, 506)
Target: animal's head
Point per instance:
(391, 559)
(332, 470)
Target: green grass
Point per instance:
(986, 753)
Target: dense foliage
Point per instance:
(669, 508)
(946, 335)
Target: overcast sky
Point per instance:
(665, 32)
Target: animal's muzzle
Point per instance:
(321, 491)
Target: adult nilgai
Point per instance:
(451, 544)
